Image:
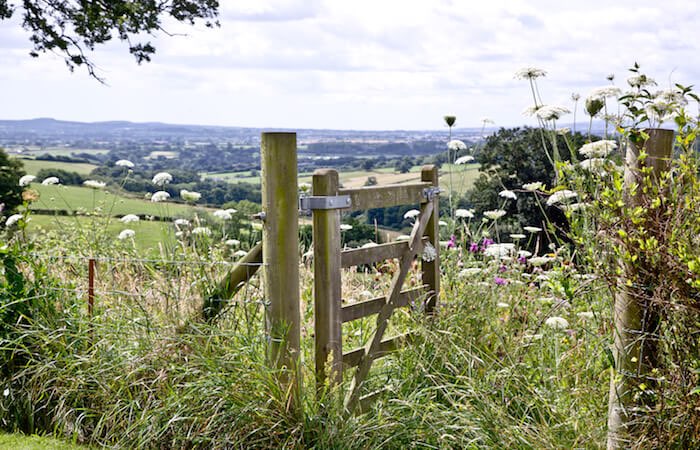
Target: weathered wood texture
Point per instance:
(370, 255)
(634, 320)
(431, 269)
(353, 357)
(329, 259)
(327, 283)
(374, 346)
(384, 196)
(244, 269)
(366, 308)
(278, 154)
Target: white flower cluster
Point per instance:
(665, 105)
(561, 196)
(94, 184)
(494, 214)
(13, 219)
(604, 92)
(640, 81)
(529, 73)
(129, 218)
(26, 180)
(50, 180)
(534, 186)
(411, 214)
(124, 163)
(551, 112)
(126, 234)
(201, 230)
(429, 253)
(508, 194)
(464, 213)
(190, 196)
(159, 196)
(557, 323)
(162, 178)
(598, 149)
(456, 145)
(499, 250)
(224, 214)
(464, 159)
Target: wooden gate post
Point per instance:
(634, 321)
(327, 283)
(91, 286)
(431, 269)
(280, 207)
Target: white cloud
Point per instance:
(361, 64)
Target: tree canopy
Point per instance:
(11, 170)
(509, 159)
(72, 28)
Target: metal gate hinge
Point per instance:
(312, 202)
(431, 192)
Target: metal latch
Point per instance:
(312, 202)
(431, 192)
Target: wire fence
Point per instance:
(175, 289)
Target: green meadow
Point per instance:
(33, 166)
(103, 202)
(149, 234)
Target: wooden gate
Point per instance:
(326, 202)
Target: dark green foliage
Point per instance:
(74, 28)
(67, 178)
(11, 170)
(404, 165)
(509, 159)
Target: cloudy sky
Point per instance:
(361, 64)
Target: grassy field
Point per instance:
(33, 166)
(149, 234)
(55, 151)
(34, 442)
(463, 177)
(75, 198)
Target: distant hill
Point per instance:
(52, 131)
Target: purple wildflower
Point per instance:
(500, 281)
(522, 260)
(486, 242)
(452, 242)
(474, 247)
(502, 268)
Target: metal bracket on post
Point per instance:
(312, 202)
(431, 192)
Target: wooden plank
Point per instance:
(367, 308)
(369, 255)
(354, 357)
(383, 196)
(431, 269)
(383, 317)
(278, 155)
(232, 283)
(366, 401)
(327, 283)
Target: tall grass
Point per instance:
(147, 374)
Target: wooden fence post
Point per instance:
(91, 286)
(234, 280)
(431, 269)
(634, 320)
(278, 154)
(327, 283)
